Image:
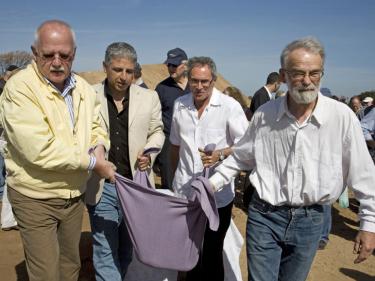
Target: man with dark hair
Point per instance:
(169, 90)
(132, 117)
(303, 150)
(264, 94)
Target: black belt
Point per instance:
(264, 206)
(70, 201)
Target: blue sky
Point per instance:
(245, 38)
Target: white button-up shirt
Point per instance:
(304, 164)
(222, 122)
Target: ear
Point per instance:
(33, 50)
(104, 67)
(282, 75)
(74, 52)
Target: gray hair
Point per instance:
(202, 61)
(310, 44)
(54, 22)
(122, 50)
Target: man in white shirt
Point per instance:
(298, 166)
(205, 116)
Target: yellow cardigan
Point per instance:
(45, 157)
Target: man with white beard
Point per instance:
(304, 149)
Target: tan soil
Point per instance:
(333, 263)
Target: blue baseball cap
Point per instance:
(176, 56)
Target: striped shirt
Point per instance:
(70, 84)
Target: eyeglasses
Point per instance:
(204, 83)
(172, 65)
(300, 75)
(49, 57)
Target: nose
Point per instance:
(56, 60)
(306, 80)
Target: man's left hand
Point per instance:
(144, 161)
(364, 245)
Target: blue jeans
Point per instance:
(112, 247)
(327, 222)
(281, 242)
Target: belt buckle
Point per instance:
(68, 203)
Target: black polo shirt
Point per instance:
(168, 91)
(118, 134)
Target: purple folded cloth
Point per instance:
(166, 231)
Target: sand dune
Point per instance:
(152, 74)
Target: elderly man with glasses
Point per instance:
(54, 141)
(304, 149)
(205, 116)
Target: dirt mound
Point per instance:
(152, 74)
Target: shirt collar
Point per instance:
(70, 82)
(215, 99)
(319, 113)
(269, 93)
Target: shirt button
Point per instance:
(117, 133)
(117, 148)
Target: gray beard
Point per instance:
(304, 97)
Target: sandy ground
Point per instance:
(333, 263)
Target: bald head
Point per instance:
(53, 28)
(54, 50)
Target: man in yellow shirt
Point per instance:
(51, 122)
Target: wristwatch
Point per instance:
(221, 155)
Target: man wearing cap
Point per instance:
(169, 90)
(367, 101)
(304, 149)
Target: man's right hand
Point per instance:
(105, 169)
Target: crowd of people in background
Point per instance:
(64, 140)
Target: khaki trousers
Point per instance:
(50, 230)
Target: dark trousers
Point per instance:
(164, 162)
(210, 265)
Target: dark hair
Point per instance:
(272, 78)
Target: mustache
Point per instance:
(57, 69)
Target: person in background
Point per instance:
(54, 141)
(368, 128)
(356, 105)
(8, 221)
(236, 93)
(279, 93)
(132, 117)
(367, 101)
(303, 150)
(10, 70)
(264, 94)
(215, 119)
(138, 76)
(169, 90)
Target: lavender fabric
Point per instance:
(166, 231)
